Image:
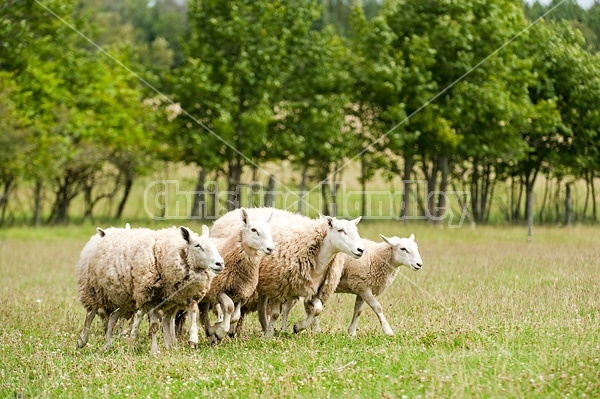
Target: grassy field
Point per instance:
(489, 315)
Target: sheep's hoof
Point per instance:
(193, 344)
(212, 340)
(297, 329)
(220, 333)
(80, 342)
(231, 335)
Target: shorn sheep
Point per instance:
(371, 275)
(142, 269)
(305, 254)
(242, 252)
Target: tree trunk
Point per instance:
(475, 193)
(587, 196)
(557, 202)
(199, 205)
(37, 203)
(405, 211)
(568, 206)
(325, 196)
(301, 197)
(517, 210)
(542, 209)
(488, 207)
(441, 202)
(129, 177)
(333, 196)
(87, 199)
(62, 205)
(234, 178)
(212, 194)
(270, 193)
(529, 208)
(8, 184)
(594, 215)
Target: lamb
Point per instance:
(142, 269)
(305, 252)
(369, 276)
(242, 251)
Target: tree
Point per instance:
(247, 48)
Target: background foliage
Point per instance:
(232, 87)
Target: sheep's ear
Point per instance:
(205, 231)
(185, 233)
(387, 240)
(355, 221)
(127, 226)
(329, 221)
(244, 216)
(412, 237)
(100, 232)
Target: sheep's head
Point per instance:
(202, 251)
(257, 234)
(344, 237)
(406, 251)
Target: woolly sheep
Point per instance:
(141, 269)
(305, 251)
(242, 251)
(81, 273)
(370, 276)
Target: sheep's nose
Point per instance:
(419, 264)
(269, 251)
(219, 265)
(360, 250)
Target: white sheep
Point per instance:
(81, 273)
(305, 252)
(369, 276)
(141, 269)
(242, 252)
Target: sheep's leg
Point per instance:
(359, 305)
(374, 304)
(204, 309)
(237, 328)
(308, 309)
(285, 312)
(169, 326)
(193, 313)
(112, 320)
(227, 307)
(181, 320)
(235, 317)
(152, 330)
(85, 333)
(275, 312)
(262, 312)
(137, 319)
(315, 307)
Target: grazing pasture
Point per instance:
(488, 315)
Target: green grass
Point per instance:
(489, 315)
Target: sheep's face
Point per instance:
(257, 234)
(406, 251)
(203, 253)
(344, 236)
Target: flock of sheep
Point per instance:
(259, 259)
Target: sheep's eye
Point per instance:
(342, 231)
(404, 249)
(199, 246)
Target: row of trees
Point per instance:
(463, 94)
